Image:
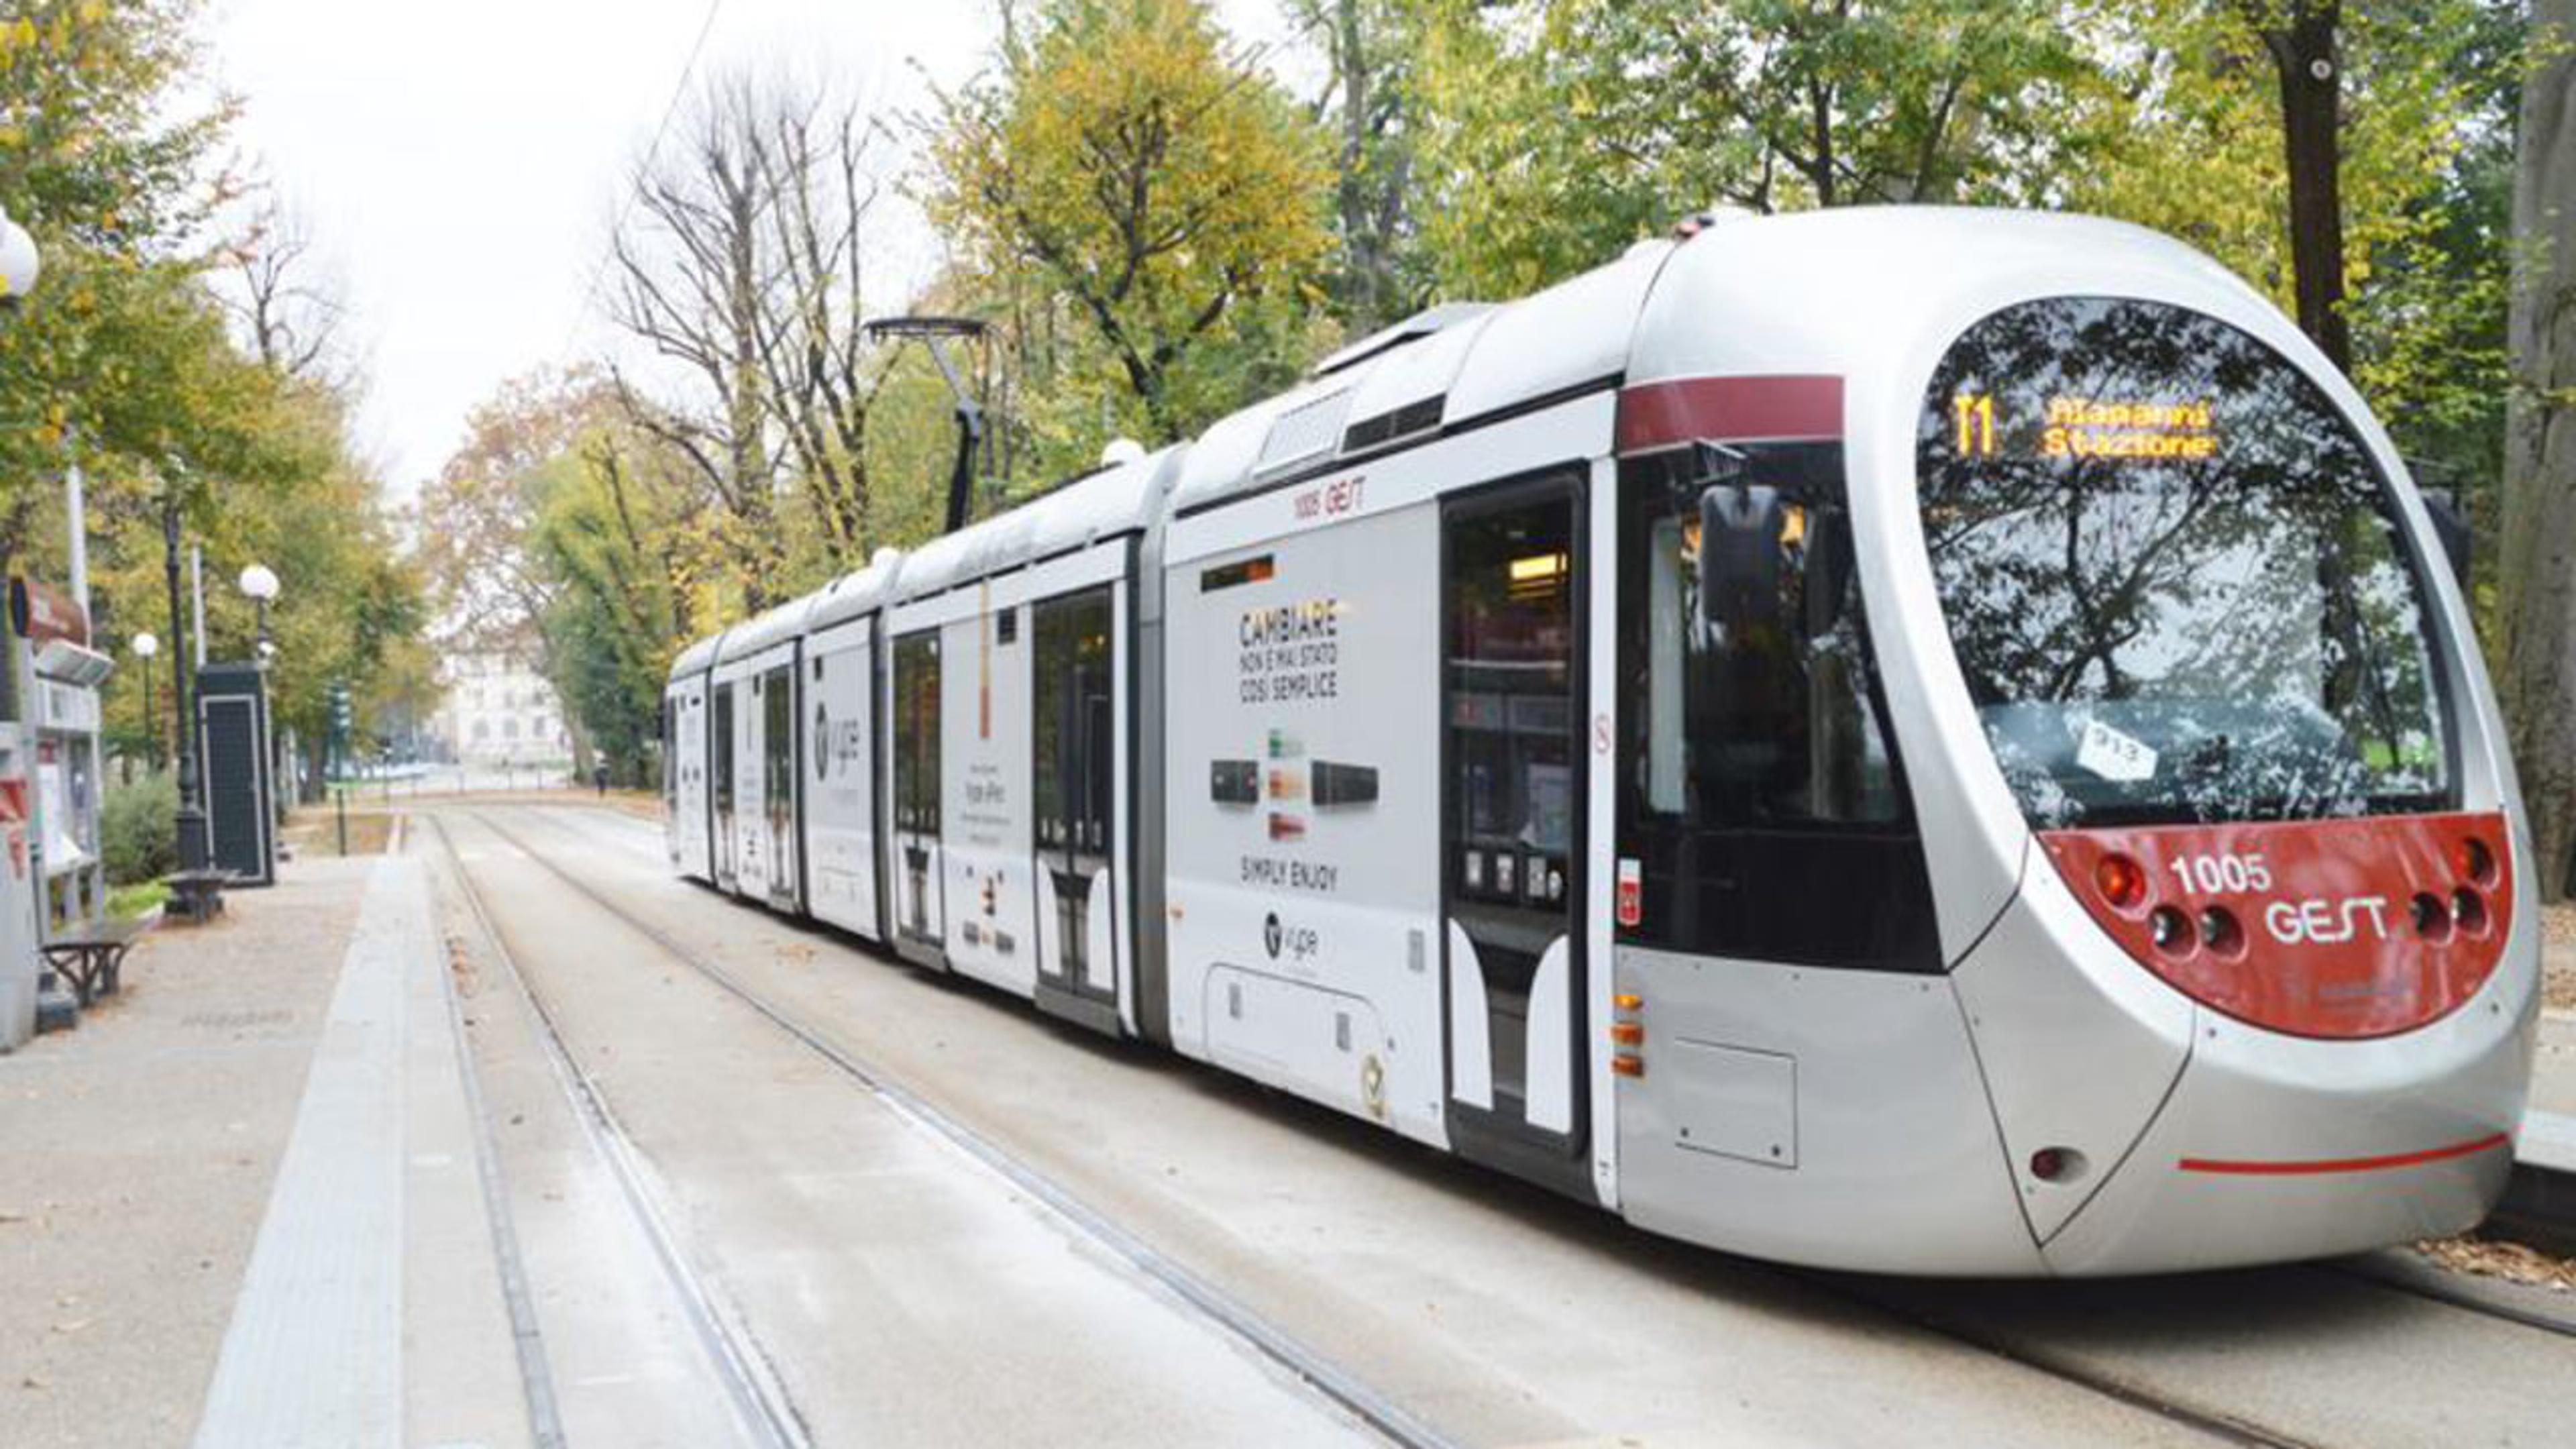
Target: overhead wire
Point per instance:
(652, 150)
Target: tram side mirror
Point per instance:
(1739, 556)
(2451, 526)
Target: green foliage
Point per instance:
(1143, 207)
(126, 902)
(138, 828)
(2429, 88)
(1560, 131)
(122, 361)
(612, 626)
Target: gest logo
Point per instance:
(2324, 922)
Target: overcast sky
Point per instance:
(458, 164)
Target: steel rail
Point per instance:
(536, 1374)
(759, 1400)
(1336, 1384)
(2431, 1283)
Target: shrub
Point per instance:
(137, 828)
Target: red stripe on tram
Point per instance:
(2345, 1164)
(1729, 409)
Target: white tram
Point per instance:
(1925, 741)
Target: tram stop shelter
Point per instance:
(50, 789)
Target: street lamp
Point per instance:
(145, 646)
(260, 584)
(190, 821)
(19, 264)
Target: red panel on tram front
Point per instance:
(2321, 928)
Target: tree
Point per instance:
(619, 614)
(2422, 152)
(2300, 37)
(819, 371)
(123, 360)
(692, 284)
(495, 593)
(1156, 180)
(2537, 563)
(744, 268)
(1370, 103)
(289, 319)
(1558, 131)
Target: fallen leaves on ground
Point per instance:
(2484, 1258)
(2558, 955)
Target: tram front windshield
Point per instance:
(2173, 575)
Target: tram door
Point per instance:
(1075, 743)
(919, 890)
(778, 778)
(1511, 830)
(720, 732)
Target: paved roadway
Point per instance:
(727, 1238)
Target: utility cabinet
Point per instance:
(241, 796)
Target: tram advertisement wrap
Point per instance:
(1304, 808)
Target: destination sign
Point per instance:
(2087, 427)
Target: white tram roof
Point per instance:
(764, 630)
(1464, 363)
(1864, 292)
(855, 593)
(698, 657)
(1094, 507)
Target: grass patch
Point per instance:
(126, 902)
(314, 830)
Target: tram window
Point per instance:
(1757, 683)
(1760, 793)
(724, 749)
(916, 733)
(1074, 744)
(778, 745)
(2175, 577)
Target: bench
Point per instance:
(90, 954)
(198, 894)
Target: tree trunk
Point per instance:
(2536, 563)
(2311, 117)
(1362, 249)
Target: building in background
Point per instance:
(499, 711)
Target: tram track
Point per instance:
(1382, 1416)
(1885, 1299)
(2431, 1283)
(760, 1401)
(1267, 1341)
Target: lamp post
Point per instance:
(191, 816)
(260, 585)
(145, 646)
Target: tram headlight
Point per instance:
(2469, 909)
(2171, 930)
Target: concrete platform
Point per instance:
(247, 1208)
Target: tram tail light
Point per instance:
(1628, 1033)
(2122, 882)
(1628, 1066)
